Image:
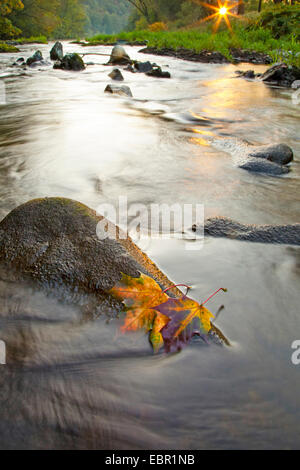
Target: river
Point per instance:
(67, 383)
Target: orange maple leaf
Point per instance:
(140, 295)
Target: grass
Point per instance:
(7, 48)
(32, 40)
(259, 40)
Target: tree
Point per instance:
(72, 19)
(7, 29)
(143, 6)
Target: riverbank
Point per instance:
(255, 46)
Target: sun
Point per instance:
(222, 11)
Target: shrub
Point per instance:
(158, 26)
(280, 19)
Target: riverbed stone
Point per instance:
(118, 90)
(116, 75)
(281, 75)
(70, 62)
(119, 56)
(158, 73)
(56, 52)
(143, 67)
(59, 242)
(36, 57)
(227, 228)
(277, 153)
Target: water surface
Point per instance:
(72, 383)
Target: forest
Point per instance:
(62, 18)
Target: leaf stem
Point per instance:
(221, 288)
(177, 285)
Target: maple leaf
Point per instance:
(187, 319)
(140, 295)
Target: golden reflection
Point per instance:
(199, 141)
(200, 131)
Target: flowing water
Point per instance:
(70, 383)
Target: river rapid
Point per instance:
(68, 382)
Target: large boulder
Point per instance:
(70, 62)
(119, 56)
(56, 52)
(57, 241)
(58, 244)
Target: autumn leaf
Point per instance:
(187, 319)
(140, 295)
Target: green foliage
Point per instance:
(38, 16)
(72, 19)
(7, 29)
(106, 16)
(259, 40)
(32, 40)
(7, 48)
(280, 19)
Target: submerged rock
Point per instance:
(56, 52)
(281, 154)
(143, 67)
(279, 74)
(277, 234)
(119, 56)
(37, 57)
(270, 159)
(116, 75)
(118, 90)
(70, 62)
(157, 72)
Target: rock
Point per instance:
(223, 227)
(116, 75)
(295, 85)
(55, 243)
(119, 56)
(264, 167)
(247, 74)
(277, 153)
(37, 57)
(157, 72)
(270, 159)
(281, 75)
(70, 62)
(143, 67)
(56, 52)
(118, 90)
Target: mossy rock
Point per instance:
(53, 242)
